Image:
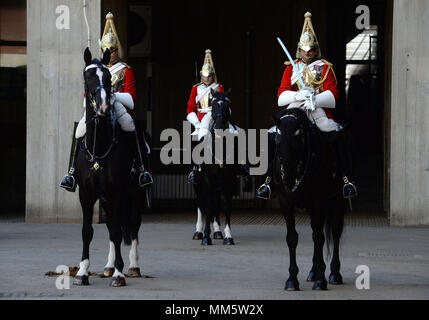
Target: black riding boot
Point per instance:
(195, 175)
(334, 139)
(69, 182)
(145, 178)
(265, 190)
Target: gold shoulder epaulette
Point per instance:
(327, 62)
(197, 84)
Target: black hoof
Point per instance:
(321, 285)
(228, 241)
(292, 285)
(134, 273)
(206, 242)
(197, 236)
(311, 276)
(108, 272)
(118, 282)
(81, 281)
(218, 235)
(335, 278)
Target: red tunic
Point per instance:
(192, 104)
(129, 86)
(329, 84)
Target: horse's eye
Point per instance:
(297, 132)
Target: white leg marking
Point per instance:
(112, 256)
(199, 226)
(216, 227)
(227, 232)
(134, 256)
(83, 268)
(118, 274)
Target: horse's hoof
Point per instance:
(206, 242)
(118, 282)
(228, 241)
(218, 235)
(81, 281)
(335, 278)
(108, 272)
(292, 285)
(134, 273)
(311, 276)
(197, 236)
(321, 285)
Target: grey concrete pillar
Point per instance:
(409, 192)
(54, 101)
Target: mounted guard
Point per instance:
(199, 107)
(309, 83)
(123, 99)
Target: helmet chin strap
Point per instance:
(311, 59)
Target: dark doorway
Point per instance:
(13, 83)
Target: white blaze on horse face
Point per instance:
(103, 105)
(112, 256)
(83, 268)
(199, 226)
(134, 256)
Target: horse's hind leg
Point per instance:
(81, 278)
(134, 270)
(217, 234)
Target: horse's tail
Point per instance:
(334, 225)
(126, 221)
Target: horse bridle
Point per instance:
(281, 160)
(96, 120)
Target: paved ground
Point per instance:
(179, 268)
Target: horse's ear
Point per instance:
(228, 92)
(87, 56)
(106, 57)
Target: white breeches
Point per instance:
(319, 117)
(122, 116)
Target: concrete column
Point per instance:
(54, 102)
(409, 152)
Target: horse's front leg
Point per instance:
(209, 211)
(115, 236)
(81, 278)
(198, 235)
(336, 227)
(229, 240)
(286, 204)
(319, 266)
(217, 234)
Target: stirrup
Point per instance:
(194, 176)
(145, 179)
(349, 189)
(264, 189)
(68, 183)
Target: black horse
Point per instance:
(104, 171)
(305, 177)
(218, 179)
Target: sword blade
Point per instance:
(295, 68)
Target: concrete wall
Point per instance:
(409, 153)
(54, 102)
